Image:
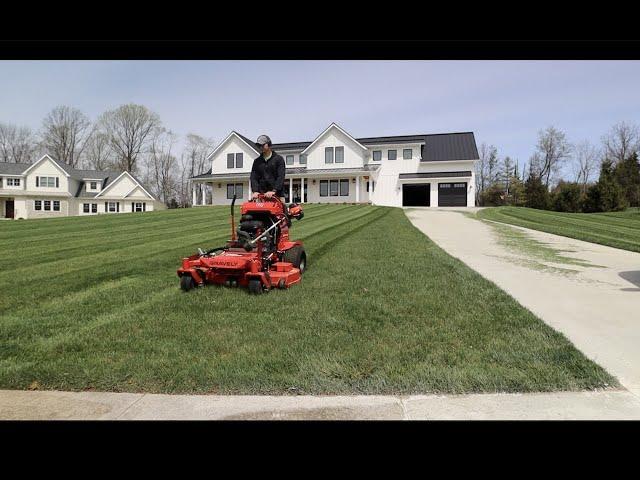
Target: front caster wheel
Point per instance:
(255, 286)
(187, 283)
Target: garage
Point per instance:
(452, 194)
(416, 195)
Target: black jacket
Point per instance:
(268, 176)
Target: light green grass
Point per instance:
(94, 303)
(616, 229)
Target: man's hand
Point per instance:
(255, 195)
(270, 194)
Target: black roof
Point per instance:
(437, 146)
(466, 173)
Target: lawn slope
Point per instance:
(94, 303)
(615, 229)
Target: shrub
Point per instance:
(537, 195)
(567, 197)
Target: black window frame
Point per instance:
(233, 190)
(239, 186)
(86, 208)
(37, 205)
(395, 153)
(373, 155)
(53, 206)
(404, 153)
(44, 205)
(231, 158)
(94, 208)
(344, 181)
(337, 184)
(335, 155)
(93, 185)
(286, 159)
(240, 157)
(327, 150)
(324, 183)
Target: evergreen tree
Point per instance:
(536, 192)
(627, 174)
(610, 193)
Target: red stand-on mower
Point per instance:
(259, 255)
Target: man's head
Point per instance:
(264, 143)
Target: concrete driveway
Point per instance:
(595, 303)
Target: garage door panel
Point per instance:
(452, 194)
(416, 195)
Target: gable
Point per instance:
(138, 192)
(119, 187)
(232, 144)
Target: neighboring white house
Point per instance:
(48, 188)
(407, 170)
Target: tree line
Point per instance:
(130, 137)
(565, 176)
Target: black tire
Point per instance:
(255, 286)
(297, 256)
(187, 283)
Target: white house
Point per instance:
(406, 170)
(48, 188)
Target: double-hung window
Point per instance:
(234, 188)
(328, 155)
(85, 208)
(234, 160)
(13, 182)
(392, 154)
(37, 205)
(407, 153)
(339, 154)
(49, 182)
(289, 159)
(303, 159)
(377, 155)
(344, 187)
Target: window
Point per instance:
(94, 208)
(85, 208)
(112, 207)
(333, 188)
(392, 154)
(445, 185)
(303, 159)
(138, 207)
(328, 155)
(56, 205)
(94, 185)
(324, 188)
(13, 182)
(38, 205)
(289, 159)
(339, 154)
(49, 182)
(234, 188)
(230, 160)
(47, 205)
(344, 188)
(377, 155)
(407, 153)
(459, 185)
(239, 158)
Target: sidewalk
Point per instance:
(51, 405)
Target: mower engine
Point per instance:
(259, 254)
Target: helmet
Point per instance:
(262, 139)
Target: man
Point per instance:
(267, 173)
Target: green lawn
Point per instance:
(616, 229)
(94, 303)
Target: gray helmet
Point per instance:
(262, 139)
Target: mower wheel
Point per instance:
(255, 286)
(187, 283)
(297, 257)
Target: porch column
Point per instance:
(193, 190)
(290, 190)
(302, 190)
(357, 189)
(250, 192)
(202, 192)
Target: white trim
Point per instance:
(326, 130)
(233, 132)
(54, 162)
(118, 178)
(134, 188)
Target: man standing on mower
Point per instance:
(267, 173)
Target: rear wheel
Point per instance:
(186, 282)
(297, 257)
(255, 286)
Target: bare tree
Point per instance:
(129, 128)
(17, 144)
(161, 164)
(194, 162)
(97, 154)
(507, 173)
(553, 150)
(587, 160)
(621, 142)
(65, 131)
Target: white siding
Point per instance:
(353, 154)
(233, 145)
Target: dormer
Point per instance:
(335, 148)
(92, 185)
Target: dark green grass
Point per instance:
(615, 229)
(94, 303)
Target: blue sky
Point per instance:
(503, 102)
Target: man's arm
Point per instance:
(253, 178)
(279, 183)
